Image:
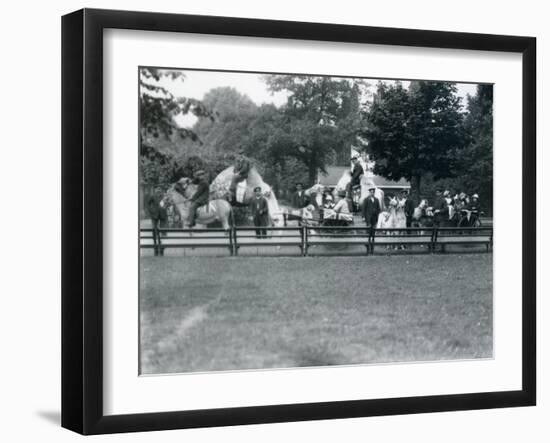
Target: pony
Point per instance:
(394, 217)
(388, 219)
(219, 189)
(316, 193)
(422, 215)
(217, 210)
(400, 217)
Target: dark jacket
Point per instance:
(260, 211)
(473, 206)
(242, 167)
(356, 174)
(154, 209)
(371, 210)
(202, 193)
(300, 201)
(440, 203)
(409, 208)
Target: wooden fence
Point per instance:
(306, 237)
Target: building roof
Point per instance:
(334, 173)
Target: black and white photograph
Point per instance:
(298, 220)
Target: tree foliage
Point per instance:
(234, 112)
(321, 119)
(415, 131)
(477, 171)
(159, 107)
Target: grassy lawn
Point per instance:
(207, 313)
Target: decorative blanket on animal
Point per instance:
(206, 209)
(245, 191)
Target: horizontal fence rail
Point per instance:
(304, 237)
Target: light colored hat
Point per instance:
(475, 196)
(329, 197)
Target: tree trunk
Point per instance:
(312, 175)
(415, 189)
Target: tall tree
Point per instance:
(321, 118)
(415, 131)
(234, 112)
(478, 155)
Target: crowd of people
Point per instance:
(460, 208)
(444, 206)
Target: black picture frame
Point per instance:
(82, 220)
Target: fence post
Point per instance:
(230, 233)
(369, 234)
(161, 249)
(235, 245)
(303, 231)
(372, 234)
(155, 240)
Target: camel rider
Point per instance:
(241, 168)
(356, 174)
(200, 197)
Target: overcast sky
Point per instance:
(197, 83)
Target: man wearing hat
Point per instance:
(241, 168)
(474, 209)
(158, 214)
(156, 209)
(299, 197)
(371, 209)
(200, 197)
(440, 206)
(260, 212)
(408, 207)
(356, 174)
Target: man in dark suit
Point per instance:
(159, 216)
(408, 207)
(260, 212)
(299, 198)
(371, 209)
(200, 197)
(439, 207)
(156, 210)
(356, 173)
